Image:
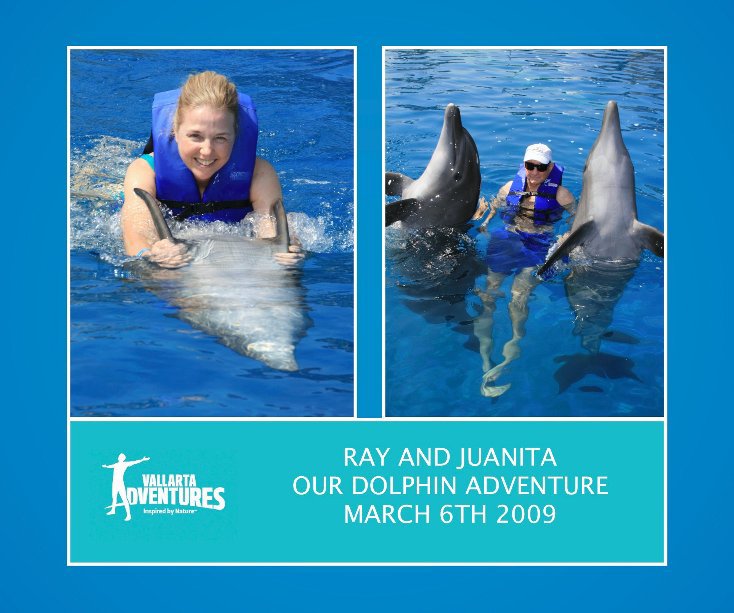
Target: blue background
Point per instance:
(700, 418)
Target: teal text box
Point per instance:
(478, 505)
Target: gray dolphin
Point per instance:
(447, 192)
(235, 291)
(606, 225)
(611, 238)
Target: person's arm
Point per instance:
(502, 194)
(482, 207)
(496, 202)
(566, 200)
(265, 191)
(138, 232)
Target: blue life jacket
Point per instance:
(546, 209)
(227, 196)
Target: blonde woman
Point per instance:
(201, 163)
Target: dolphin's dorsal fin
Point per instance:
(650, 238)
(397, 211)
(161, 227)
(395, 183)
(281, 240)
(573, 240)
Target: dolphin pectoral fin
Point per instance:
(650, 238)
(395, 183)
(573, 240)
(397, 211)
(161, 227)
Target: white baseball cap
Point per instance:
(539, 152)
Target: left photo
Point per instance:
(211, 232)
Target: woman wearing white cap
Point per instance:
(535, 201)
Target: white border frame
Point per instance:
(664, 418)
(69, 418)
(384, 418)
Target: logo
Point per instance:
(239, 175)
(161, 494)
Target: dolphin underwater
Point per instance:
(447, 192)
(606, 225)
(234, 290)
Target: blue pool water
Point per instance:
(509, 99)
(130, 355)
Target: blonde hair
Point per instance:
(207, 88)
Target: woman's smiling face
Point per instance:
(205, 137)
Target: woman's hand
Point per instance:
(167, 254)
(294, 256)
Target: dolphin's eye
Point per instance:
(457, 176)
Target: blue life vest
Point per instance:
(546, 209)
(227, 196)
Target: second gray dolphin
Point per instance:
(606, 225)
(611, 238)
(447, 192)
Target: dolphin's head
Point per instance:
(447, 153)
(609, 148)
(448, 190)
(455, 151)
(609, 176)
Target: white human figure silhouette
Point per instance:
(118, 482)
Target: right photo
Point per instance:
(524, 232)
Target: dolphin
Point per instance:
(235, 291)
(447, 192)
(606, 225)
(611, 239)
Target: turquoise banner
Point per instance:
(367, 492)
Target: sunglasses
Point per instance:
(540, 167)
